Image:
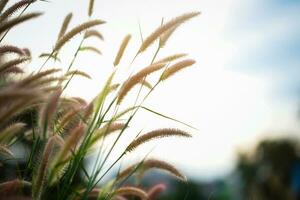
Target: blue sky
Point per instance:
(277, 54)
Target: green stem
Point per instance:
(72, 62)
(156, 53)
(48, 58)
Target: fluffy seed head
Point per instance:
(93, 33)
(155, 191)
(72, 141)
(165, 37)
(176, 67)
(11, 131)
(33, 78)
(138, 77)
(13, 70)
(17, 20)
(66, 119)
(11, 49)
(88, 111)
(159, 133)
(91, 7)
(3, 4)
(171, 58)
(49, 55)
(42, 174)
(122, 49)
(166, 27)
(90, 48)
(14, 8)
(107, 130)
(64, 39)
(12, 63)
(11, 187)
(151, 164)
(65, 25)
(77, 72)
(4, 150)
(132, 191)
(49, 109)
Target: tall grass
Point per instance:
(64, 131)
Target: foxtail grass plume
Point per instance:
(3, 4)
(65, 153)
(48, 81)
(171, 58)
(151, 164)
(175, 68)
(65, 25)
(165, 27)
(159, 133)
(17, 20)
(122, 49)
(138, 77)
(16, 107)
(49, 55)
(132, 191)
(33, 78)
(13, 63)
(69, 35)
(43, 170)
(94, 193)
(90, 48)
(91, 7)
(11, 49)
(71, 142)
(13, 70)
(154, 191)
(146, 84)
(77, 73)
(165, 36)
(11, 131)
(93, 33)
(66, 119)
(27, 52)
(79, 100)
(49, 109)
(11, 94)
(113, 87)
(107, 130)
(13, 186)
(88, 111)
(14, 8)
(118, 197)
(110, 128)
(5, 151)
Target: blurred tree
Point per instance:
(272, 171)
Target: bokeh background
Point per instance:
(242, 95)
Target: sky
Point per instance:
(244, 87)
